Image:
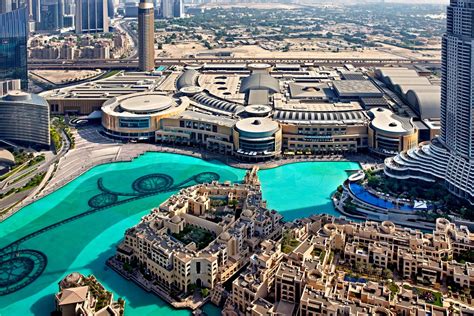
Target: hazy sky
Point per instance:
(420, 1)
(394, 1)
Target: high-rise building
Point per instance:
(16, 4)
(69, 7)
(24, 119)
(171, 9)
(5, 6)
(166, 9)
(450, 157)
(146, 35)
(52, 14)
(110, 9)
(92, 16)
(178, 9)
(157, 4)
(9, 85)
(35, 10)
(457, 85)
(13, 45)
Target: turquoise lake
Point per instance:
(85, 243)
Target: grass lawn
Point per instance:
(199, 236)
(288, 243)
(431, 297)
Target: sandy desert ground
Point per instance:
(389, 52)
(62, 76)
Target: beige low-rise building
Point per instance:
(389, 133)
(313, 278)
(80, 295)
(192, 240)
(137, 116)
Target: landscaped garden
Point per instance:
(288, 243)
(430, 297)
(102, 296)
(465, 256)
(199, 236)
(444, 202)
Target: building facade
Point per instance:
(178, 10)
(162, 244)
(5, 6)
(9, 85)
(13, 45)
(311, 280)
(24, 119)
(146, 35)
(52, 14)
(449, 158)
(166, 9)
(137, 116)
(92, 16)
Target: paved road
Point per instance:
(124, 25)
(29, 173)
(133, 62)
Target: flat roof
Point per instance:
(257, 125)
(121, 84)
(258, 97)
(386, 121)
(319, 107)
(356, 88)
(258, 109)
(144, 103)
(313, 90)
(219, 120)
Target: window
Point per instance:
(134, 122)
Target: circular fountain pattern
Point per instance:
(152, 183)
(206, 177)
(41, 225)
(19, 268)
(102, 200)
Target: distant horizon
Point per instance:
(438, 2)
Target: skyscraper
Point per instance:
(146, 35)
(171, 9)
(450, 157)
(92, 16)
(52, 14)
(5, 6)
(166, 9)
(457, 86)
(35, 10)
(178, 9)
(69, 7)
(13, 45)
(110, 9)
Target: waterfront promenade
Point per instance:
(93, 149)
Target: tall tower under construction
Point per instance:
(146, 35)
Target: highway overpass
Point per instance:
(35, 64)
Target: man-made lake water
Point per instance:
(88, 220)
